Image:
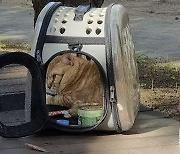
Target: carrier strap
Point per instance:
(81, 10)
(110, 71)
(75, 40)
(43, 30)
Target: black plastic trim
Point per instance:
(38, 88)
(43, 30)
(75, 40)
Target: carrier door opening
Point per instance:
(15, 93)
(74, 90)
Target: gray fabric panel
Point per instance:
(75, 40)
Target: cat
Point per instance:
(75, 81)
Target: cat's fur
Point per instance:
(76, 82)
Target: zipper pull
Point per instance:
(38, 57)
(112, 94)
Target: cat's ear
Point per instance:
(68, 59)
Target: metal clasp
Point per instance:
(75, 47)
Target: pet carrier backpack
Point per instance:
(101, 35)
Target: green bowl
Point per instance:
(89, 117)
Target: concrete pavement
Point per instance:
(156, 37)
(16, 24)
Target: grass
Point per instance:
(156, 73)
(159, 85)
(7, 46)
(2, 45)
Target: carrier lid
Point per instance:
(22, 95)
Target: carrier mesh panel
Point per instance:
(15, 95)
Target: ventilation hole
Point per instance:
(98, 31)
(64, 21)
(62, 30)
(67, 14)
(58, 14)
(91, 14)
(56, 20)
(90, 21)
(88, 31)
(99, 22)
(101, 14)
(52, 30)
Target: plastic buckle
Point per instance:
(75, 47)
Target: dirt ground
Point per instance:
(165, 100)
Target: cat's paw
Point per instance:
(66, 114)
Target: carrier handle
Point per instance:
(81, 10)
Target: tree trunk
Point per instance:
(39, 4)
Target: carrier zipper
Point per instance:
(112, 94)
(110, 71)
(113, 102)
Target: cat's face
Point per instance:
(62, 71)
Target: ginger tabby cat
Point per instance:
(76, 82)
